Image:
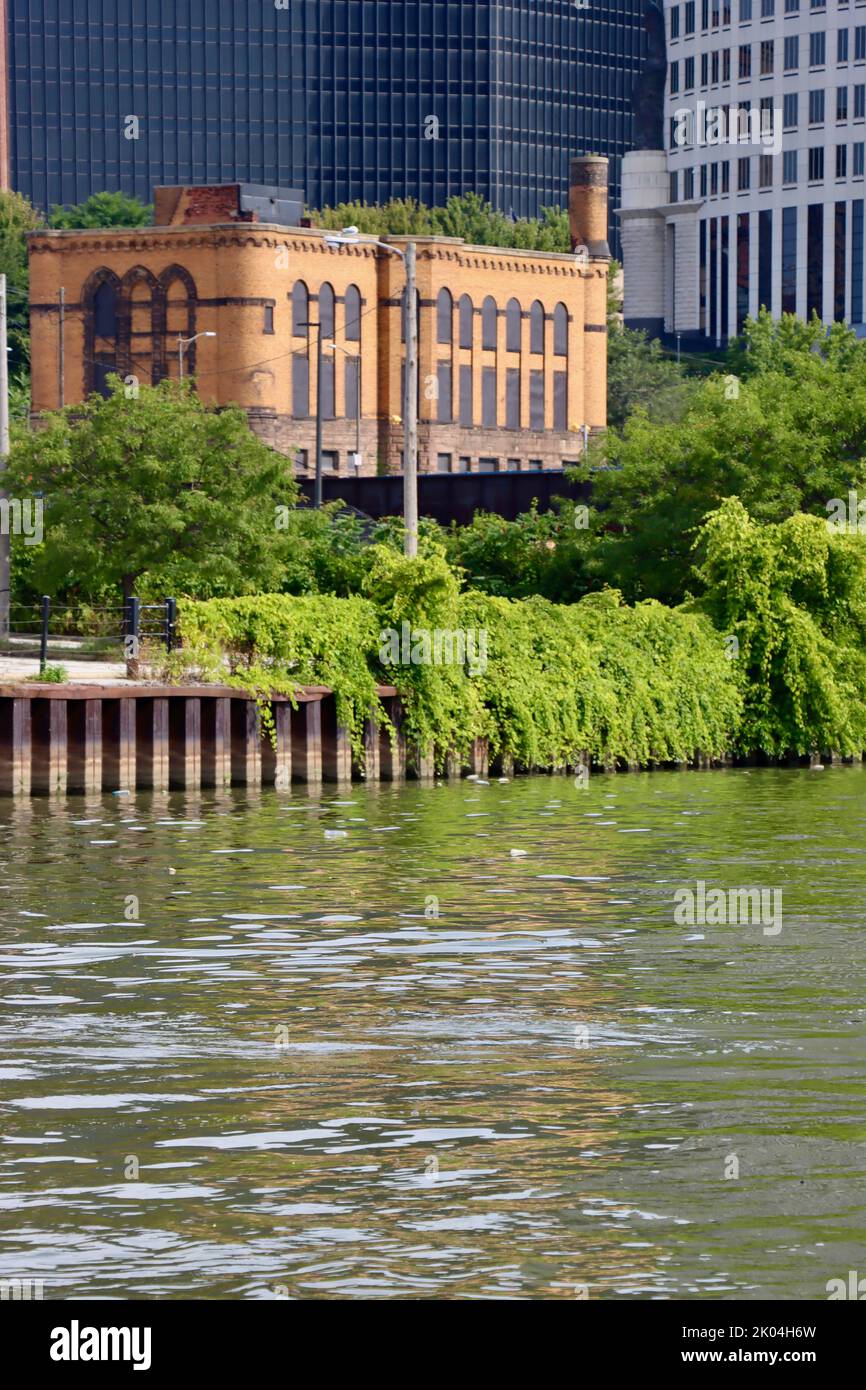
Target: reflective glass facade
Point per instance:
(343, 98)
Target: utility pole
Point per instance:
(61, 354)
(4, 454)
(410, 415)
(317, 489)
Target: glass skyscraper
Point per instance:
(342, 98)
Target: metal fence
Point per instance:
(114, 632)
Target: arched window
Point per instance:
(536, 327)
(300, 309)
(101, 298)
(467, 315)
(513, 317)
(327, 316)
(489, 314)
(178, 289)
(560, 331)
(444, 317)
(353, 314)
(105, 310)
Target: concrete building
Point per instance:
(759, 197)
(512, 344)
(344, 98)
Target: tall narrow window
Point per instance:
(560, 400)
(327, 386)
(466, 411)
(742, 270)
(512, 398)
(513, 325)
(839, 249)
(352, 386)
(536, 400)
(327, 312)
(857, 261)
(815, 259)
(765, 259)
(560, 331)
(444, 318)
(488, 398)
(536, 327)
(489, 317)
(300, 309)
(300, 385)
(444, 411)
(467, 316)
(789, 260)
(353, 315)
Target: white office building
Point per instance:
(758, 199)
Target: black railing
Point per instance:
(58, 632)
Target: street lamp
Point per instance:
(183, 344)
(350, 236)
(353, 357)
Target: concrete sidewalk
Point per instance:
(24, 668)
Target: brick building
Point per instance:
(512, 344)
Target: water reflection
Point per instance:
(350, 1045)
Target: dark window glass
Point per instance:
(444, 402)
(815, 259)
(327, 387)
(300, 385)
(105, 311)
(560, 331)
(513, 325)
(327, 312)
(765, 259)
(444, 317)
(353, 314)
(268, 326)
(466, 320)
(560, 400)
(536, 327)
(789, 260)
(857, 261)
(742, 270)
(536, 400)
(512, 398)
(352, 382)
(488, 323)
(466, 415)
(300, 309)
(488, 398)
(839, 264)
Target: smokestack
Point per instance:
(587, 205)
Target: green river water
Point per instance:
(243, 1057)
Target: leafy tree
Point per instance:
(465, 215)
(17, 218)
(640, 377)
(791, 599)
(787, 437)
(154, 493)
(538, 553)
(102, 210)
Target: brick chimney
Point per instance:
(587, 205)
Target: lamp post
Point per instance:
(350, 236)
(183, 344)
(353, 357)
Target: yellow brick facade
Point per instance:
(523, 334)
